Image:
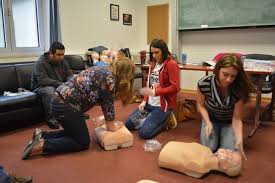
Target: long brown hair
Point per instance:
(124, 71)
(160, 44)
(242, 84)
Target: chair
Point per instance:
(126, 51)
(76, 63)
(221, 55)
(98, 49)
(267, 82)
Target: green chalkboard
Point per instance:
(204, 14)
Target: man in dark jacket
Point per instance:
(50, 71)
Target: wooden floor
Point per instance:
(130, 165)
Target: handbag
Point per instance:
(186, 110)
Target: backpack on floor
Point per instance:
(186, 110)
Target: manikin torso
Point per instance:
(195, 160)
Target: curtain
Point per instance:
(54, 22)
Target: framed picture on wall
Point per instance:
(114, 12)
(127, 19)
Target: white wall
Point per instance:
(86, 23)
(204, 45)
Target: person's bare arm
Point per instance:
(204, 113)
(201, 107)
(237, 126)
(237, 123)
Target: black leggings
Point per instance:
(74, 137)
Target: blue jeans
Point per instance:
(4, 176)
(222, 136)
(154, 123)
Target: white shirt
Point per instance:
(153, 83)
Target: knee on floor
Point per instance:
(145, 135)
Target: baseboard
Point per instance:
(189, 91)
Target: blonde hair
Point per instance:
(124, 71)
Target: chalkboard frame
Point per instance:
(193, 22)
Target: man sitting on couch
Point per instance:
(50, 71)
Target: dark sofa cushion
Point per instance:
(24, 72)
(22, 110)
(75, 62)
(8, 79)
(11, 102)
(21, 117)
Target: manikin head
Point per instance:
(95, 56)
(113, 54)
(105, 52)
(56, 52)
(229, 162)
(104, 56)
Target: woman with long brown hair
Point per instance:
(221, 98)
(95, 85)
(160, 95)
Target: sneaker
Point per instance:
(23, 179)
(53, 123)
(28, 150)
(36, 132)
(171, 121)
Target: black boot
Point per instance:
(53, 123)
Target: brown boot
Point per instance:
(171, 121)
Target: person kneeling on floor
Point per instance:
(96, 85)
(160, 95)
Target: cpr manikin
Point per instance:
(196, 160)
(95, 56)
(111, 140)
(147, 181)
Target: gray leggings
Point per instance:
(46, 93)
